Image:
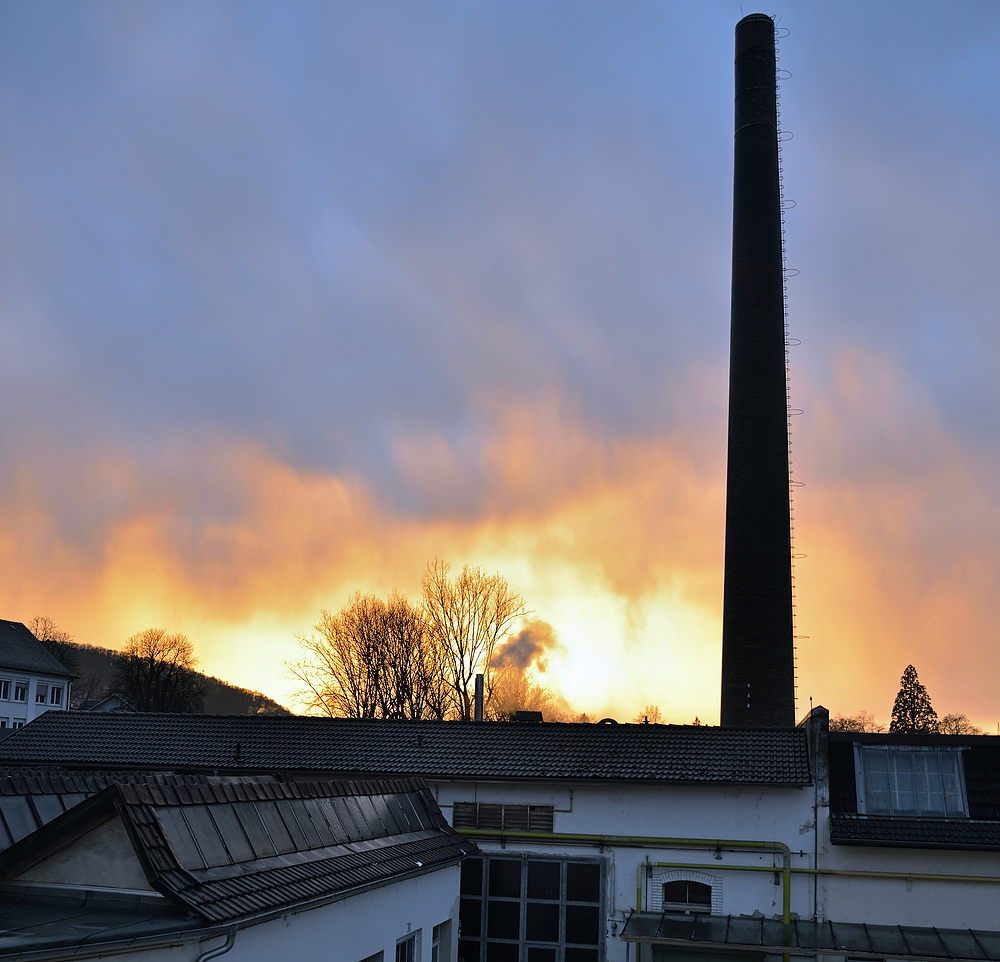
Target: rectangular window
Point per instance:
(17, 724)
(5, 688)
(910, 780)
(516, 908)
(55, 695)
(20, 691)
(41, 694)
(441, 942)
(4, 722)
(406, 950)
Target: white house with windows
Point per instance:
(32, 680)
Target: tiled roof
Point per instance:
(20, 650)
(269, 743)
(233, 848)
(881, 831)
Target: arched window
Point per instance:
(686, 896)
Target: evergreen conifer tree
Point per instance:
(912, 711)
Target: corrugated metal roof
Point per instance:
(855, 939)
(671, 753)
(30, 799)
(20, 650)
(227, 848)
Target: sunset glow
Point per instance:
(291, 303)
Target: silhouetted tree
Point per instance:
(155, 672)
(912, 711)
(468, 616)
(372, 659)
(863, 721)
(958, 725)
(649, 715)
(516, 689)
(58, 642)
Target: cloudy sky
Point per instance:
(296, 296)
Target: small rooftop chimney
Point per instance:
(758, 677)
(479, 699)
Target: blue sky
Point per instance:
(296, 296)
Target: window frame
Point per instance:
(959, 806)
(21, 687)
(688, 907)
(563, 904)
(412, 941)
(55, 695)
(41, 693)
(5, 689)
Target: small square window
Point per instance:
(17, 724)
(20, 691)
(3, 722)
(55, 695)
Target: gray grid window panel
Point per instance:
(550, 926)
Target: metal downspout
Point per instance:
(221, 949)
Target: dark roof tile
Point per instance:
(882, 831)
(674, 753)
(20, 650)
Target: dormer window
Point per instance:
(910, 780)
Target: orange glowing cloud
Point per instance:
(617, 542)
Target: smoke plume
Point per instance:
(529, 647)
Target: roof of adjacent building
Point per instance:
(20, 650)
(855, 939)
(270, 743)
(233, 849)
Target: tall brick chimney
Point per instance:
(758, 677)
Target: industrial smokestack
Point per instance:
(758, 676)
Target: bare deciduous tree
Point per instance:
(372, 659)
(649, 715)
(468, 616)
(155, 672)
(863, 721)
(516, 689)
(957, 724)
(58, 642)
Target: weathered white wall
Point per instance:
(348, 931)
(941, 903)
(749, 813)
